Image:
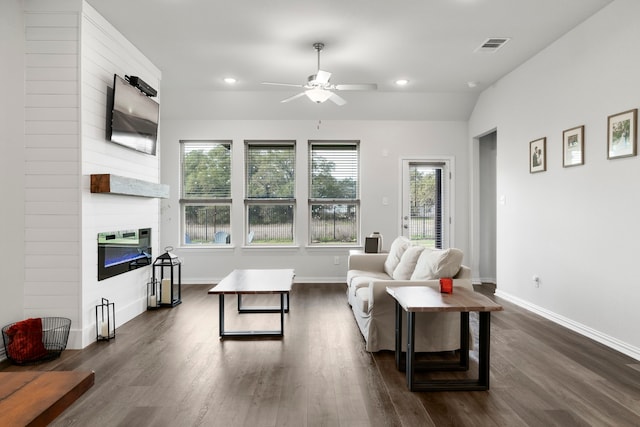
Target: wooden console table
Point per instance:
(414, 299)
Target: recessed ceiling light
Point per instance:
(402, 82)
(229, 80)
(472, 84)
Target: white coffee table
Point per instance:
(254, 281)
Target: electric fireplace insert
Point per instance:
(122, 251)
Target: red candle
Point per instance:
(446, 285)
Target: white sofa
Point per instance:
(404, 265)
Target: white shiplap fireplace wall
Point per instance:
(71, 55)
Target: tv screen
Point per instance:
(134, 118)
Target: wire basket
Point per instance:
(36, 340)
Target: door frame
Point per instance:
(448, 205)
(474, 234)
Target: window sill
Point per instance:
(332, 248)
(207, 247)
(270, 248)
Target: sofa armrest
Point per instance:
(464, 273)
(379, 297)
(367, 262)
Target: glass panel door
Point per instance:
(425, 210)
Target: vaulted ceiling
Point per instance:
(432, 43)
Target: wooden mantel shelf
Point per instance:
(114, 184)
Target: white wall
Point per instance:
(106, 52)
(52, 167)
(11, 161)
(383, 144)
(576, 228)
(66, 55)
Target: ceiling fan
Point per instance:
(318, 87)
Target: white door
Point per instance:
(426, 187)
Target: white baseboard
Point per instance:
(481, 280)
(75, 339)
(588, 332)
(81, 338)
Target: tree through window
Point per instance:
(426, 191)
(206, 192)
(270, 192)
(333, 192)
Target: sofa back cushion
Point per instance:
(437, 263)
(407, 263)
(398, 247)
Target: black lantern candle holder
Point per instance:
(167, 270)
(105, 320)
(153, 294)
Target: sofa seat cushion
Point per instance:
(437, 263)
(362, 299)
(398, 247)
(407, 263)
(356, 274)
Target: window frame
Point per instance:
(186, 201)
(333, 201)
(250, 201)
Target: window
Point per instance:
(333, 193)
(206, 192)
(270, 192)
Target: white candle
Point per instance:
(153, 300)
(166, 291)
(104, 329)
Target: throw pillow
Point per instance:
(26, 341)
(437, 263)
(407, 263)
(399, 245)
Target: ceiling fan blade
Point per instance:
(322, 77)
(281, 84)
(291, 98)
(360, 86)
(337, 99)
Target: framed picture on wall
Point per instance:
(538, 155)
(622, 134)
(573, 147)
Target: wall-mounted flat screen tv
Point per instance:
(134, 118)
(122, 251)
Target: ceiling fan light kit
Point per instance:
(318, 95)
(318, 87)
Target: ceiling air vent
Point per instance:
(492, 45)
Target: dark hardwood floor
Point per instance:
(168, 368)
